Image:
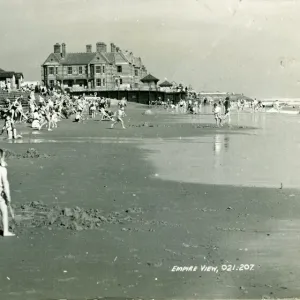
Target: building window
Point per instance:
(103, 69)
(80, 70)
(69, 70)
(136, 72)
(86, 70)
(98, 69)
(104, 82)
(121, 81)
(119, 69)
(51, 71)
(56, 70)
(98, 82)
(136, 85)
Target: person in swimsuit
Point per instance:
(119, 114)
(8, 127)
(93, 109)
(217, 114)
(5, 198)
(36, 120)
(47, 117)
(242, 104)
(32, 106)
(14, 107)
(105, 115)
(80, 107)
(19, 111)
(77, 117)
(227, 106)
(54, 118)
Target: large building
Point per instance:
(98, 70)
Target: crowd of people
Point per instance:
(47, 109)
(47, 106)
(220, 107)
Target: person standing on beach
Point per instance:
(242, 104)
(5, 198)
(217, 114)
(8, 127)
(227, 106)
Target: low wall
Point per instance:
(142, 97)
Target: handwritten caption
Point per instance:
(215, 269)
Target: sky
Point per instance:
(243, 46)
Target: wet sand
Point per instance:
(149, 222)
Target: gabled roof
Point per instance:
(123, 56)
(166, 83)
(52, 57)
(110, 57)
(19, 75)
(1, 70)
(99, 58)
(149, 78)
(85, 58)
(119, 57)
(9, 74)
(77, 58)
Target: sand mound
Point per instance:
(145, 124)
(37, 214)
(9, 153)
(148, 112)
(30, 153)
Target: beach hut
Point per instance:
(165, 86)
(150, 81)
(11, 79)
(166, 83)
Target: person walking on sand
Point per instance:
(5, 198)
(227, 106)
(119, 114)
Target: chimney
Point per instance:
(63, 50)
(88, 48)
(57, 48)
(112, 48)
(101, 47)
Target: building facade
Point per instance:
(99, 70)
(10, 79)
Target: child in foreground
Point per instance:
(4, 195)
(119, 114)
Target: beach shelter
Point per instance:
(166, 83)
(150, 80)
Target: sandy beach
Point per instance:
(110, 213)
